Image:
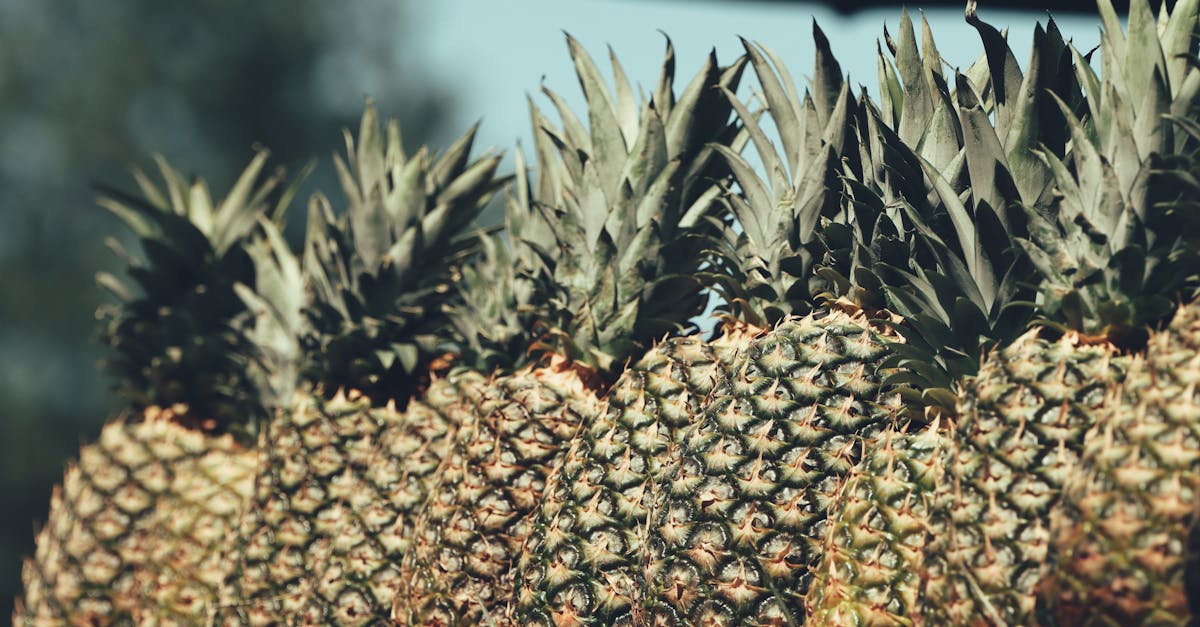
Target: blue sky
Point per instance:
(497, 52)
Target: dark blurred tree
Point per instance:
(88, 89)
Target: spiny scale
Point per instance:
(1023, 419)
(1120, 549)
(583, 562)
(745, 507)
(138, 530)
(335, 508)
(477, 515)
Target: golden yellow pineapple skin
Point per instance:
(1121, 550)
(584, 562)
(334, 507)
(886, 516)
(478, 515)
(139, 530)
(1022, 421)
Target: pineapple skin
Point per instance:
(471, 528)
(139, 530)
(334, 506)
(885, 517)
(1022, 422)
(583, 563)
(1120, 548)
(744, 506)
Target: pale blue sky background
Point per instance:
(497, 52)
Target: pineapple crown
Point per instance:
(1116, 246)
(381, 273)
(627, 202)
(177, 329)
(869, 237)
(764, 270)
(275, 319)
(933, 222)
(501, 288)
(869, 191)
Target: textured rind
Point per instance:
(743, 508)
(884, 518)
(470, 531)
(1022, 422)
(333, 508)
(139, 530)
(1121, 549)
(583, 564)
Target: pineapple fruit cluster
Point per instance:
(953, 378)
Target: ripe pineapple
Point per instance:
(1119, 550)
(767, 274)
(744, 505)
(348, 458)
(138, 530)
(1022, 418)
(1119, 539)
(743, 529)
(583, 562)
(930, 211)
(624, 202)
(1111, 262)
(816, 461)
(886, 517)
(1022, 423)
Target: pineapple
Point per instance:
(582, 561)
(886, 519)
(743, 528)
(918, 408)
(645, 543)
(138, 527)
(1021, 420)
(625, 202)
(744, 505)
(923, 239)
(1119, 539)
(1119, 549)
(1111, 262)
(347, 459)
(138, 530)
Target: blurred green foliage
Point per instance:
(88, 89)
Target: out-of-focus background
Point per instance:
(89, 89)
